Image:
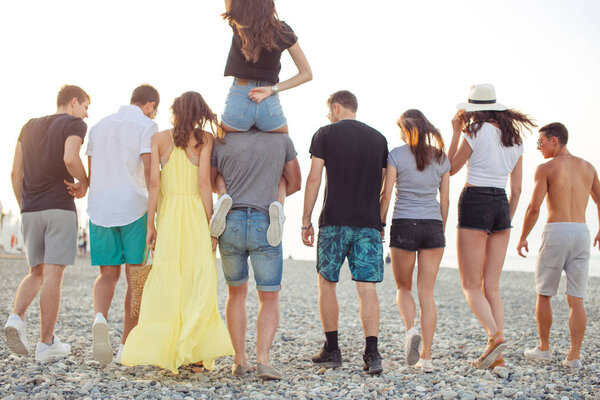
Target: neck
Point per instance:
(63, 110)
(562, 151)
(346, 115)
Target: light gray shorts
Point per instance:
(565, 246)
(50, 236)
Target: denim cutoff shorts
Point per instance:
(362, 247)
(484, 208)
(241, 112)
(245, 236)
(416, 234)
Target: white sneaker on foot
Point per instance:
(15, 332)
(119, 353)
(573, 364)
(101, 349)
(411, 346)
(537, 354)
(425, 365)
(218, 221)
(276, 220)
(45, 352)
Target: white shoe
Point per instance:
(425, 365)
(103, 353)
(276, 220)
(119, 354)
(574, 364)
(15, 331)
(218, 221)
(45, 352)
(537, 354)
(411, 346)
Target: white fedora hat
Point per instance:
(482, 97)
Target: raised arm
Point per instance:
(516, 181)
(445, 197)
(386, 193)
(458, 156)
(596, 197)
(153, 190)
(533, 209)
(313, 183)
(16, 175)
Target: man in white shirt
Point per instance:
(119, 161)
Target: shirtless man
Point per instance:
(566, 181)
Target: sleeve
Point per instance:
(290, 151)
(23, 131)
(445, 165)
(213, 155)
(392, 158)
(317, 145)
(470, 139)
(75, 127)
(146, 139)
(88, 150)
(520, 151)
(385, 154)
(288, 38)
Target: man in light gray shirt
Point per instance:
(252, 164)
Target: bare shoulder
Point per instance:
(544, 168)
(207, 137)
(162, 136)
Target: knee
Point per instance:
(110, 274)
(37, 272)
(426, 299)
(470, 284)
(238, 293)
(268, 298)
(575, 302)
(404, 284)
(491, 288)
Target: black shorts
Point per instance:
(416, 234)
(484, 208)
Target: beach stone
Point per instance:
(509, 392)
(448, 394)
(86, 388)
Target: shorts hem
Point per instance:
(106, 264)
(268, 288)
(547, 294)
(474, 229)
(360, 280)
(578, 295)
(274, 130)
(233, 128)
(236, 283)
(327, 279)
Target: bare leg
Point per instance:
(282, 190)
(577, 322)
(543, 314)
(266, 324)
(369, 307)
(220, 185)
(50, 300)
(429, 264)
(328, 304)
(283, 129)
(237, 320)
(128, 321)
(28, 289)
(104, 288)
(403, 263)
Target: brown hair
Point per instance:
(345, 99)
(145, 93)
(70, 92)
(557, 130)
(511, 124)
(424, 139)
(258, 25)
(191, 115)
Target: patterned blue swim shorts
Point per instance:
(362, 246)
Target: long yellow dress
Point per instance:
(179, 321)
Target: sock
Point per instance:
(371, 344)
(331, 340)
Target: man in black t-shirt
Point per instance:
(46, 161)
(354, 156)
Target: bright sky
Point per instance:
(542, 55)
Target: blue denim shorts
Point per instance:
(242, 113)
(484, 209)
(245, 236)
(362, 247)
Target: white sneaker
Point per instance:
(276, 220)
(425, 365)
(411, 346)
(218, 220)
(574, 364)
(103, 353)
(537, 354)
(119, 354)
(45, 352)
(15, 331)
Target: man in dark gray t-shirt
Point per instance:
(252, 164)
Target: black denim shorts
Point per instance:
(416, 234)
(484, 208)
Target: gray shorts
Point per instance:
(50, 236)
(565, 246)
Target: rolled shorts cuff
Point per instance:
(271, 288)
(239, 282)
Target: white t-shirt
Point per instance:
(490, 163)
(118, 194)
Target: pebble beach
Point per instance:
(459, 339)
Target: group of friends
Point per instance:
(150, 190)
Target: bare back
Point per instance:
(569, 181)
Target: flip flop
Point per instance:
(486, 361)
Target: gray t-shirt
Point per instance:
(252, 163)
(416, 191)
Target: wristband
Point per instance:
(274, 89)
(306, 227)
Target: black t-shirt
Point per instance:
(43, 143)
(268, 65)
(354, 155)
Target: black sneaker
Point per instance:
(372, 363)
(328, 359)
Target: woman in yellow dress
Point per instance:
(179, 322)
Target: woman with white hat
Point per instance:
(492, 144)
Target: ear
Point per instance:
(74, 102)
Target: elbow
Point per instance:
(308, 75)
(205, 187)
(293, 188)
(515, 192)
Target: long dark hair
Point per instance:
(192, 116)
(258, 25)
(511, 124)
(424, 139)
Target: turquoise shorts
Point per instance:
(118, 244)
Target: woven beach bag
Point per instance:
(139, 275)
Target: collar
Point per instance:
(132, 108)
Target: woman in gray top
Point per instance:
(419, 169)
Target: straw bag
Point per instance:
(139, 275)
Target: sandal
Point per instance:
(198, 367)
(499, 368)
(486, 361)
